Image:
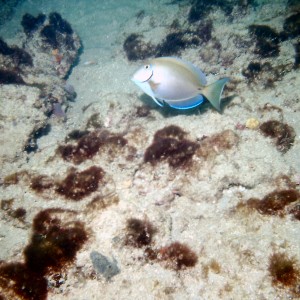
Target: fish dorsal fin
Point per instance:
(186, 65)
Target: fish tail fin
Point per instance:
(213, 92)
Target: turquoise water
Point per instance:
(98, 23)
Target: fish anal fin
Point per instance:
(186, 103)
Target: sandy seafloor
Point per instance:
(195, 205)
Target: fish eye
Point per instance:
(147, 67)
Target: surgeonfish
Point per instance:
(181, 85)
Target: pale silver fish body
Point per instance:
(173, 81)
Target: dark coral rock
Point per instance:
(264, 73)
(177, 256)
(265, 48)
(143, 111)
(283, 270)
(264, 32)
(59, 23)
(252, 70)
(172, 44)
(30, 23)
(139, 233)
(291, 25)
(169, 144)
(94, 121)
(267, 40)
(89, 145)
(204, 31)
(49, 35)
(10, 77)
(275, 202)
(18, 55)
(22, 57)
(78, 185)
(136, 49)
(58, 32)
(201, 8)
(293, 3)
(197, 12)
(5, 49)
(76, 134)
(176, 42)
(297, 56)
(283, 134)
(31, 145)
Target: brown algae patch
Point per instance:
(284, 272)
(77, 185)
(175, 256)
(90, 144)
(274, 203)
(139, 233)
(169, 144)
(283, 134)
(53, 247)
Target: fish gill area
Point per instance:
(114, 193)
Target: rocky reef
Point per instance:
(33, 81)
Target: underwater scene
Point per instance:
(149, 149)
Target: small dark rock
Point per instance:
(102, 265)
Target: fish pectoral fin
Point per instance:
(157, 102)
(213, 92)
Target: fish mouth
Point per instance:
(149, 77)
(136, 75)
